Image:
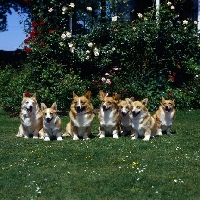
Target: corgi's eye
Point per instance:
(138, 107)
(82, 102)
(27, 102)
(45, 113)
(51, 113)
(126, 107)
(75, 102)
(109, 102)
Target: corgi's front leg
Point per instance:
(20, 131)
(168, 130)
(75, 133)
(134, 134)
(102, 132)
(87, 133)
(59, 136)
(159, 131)
(115, 134)
(35, 134)
(147, 135)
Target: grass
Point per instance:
(166, 167)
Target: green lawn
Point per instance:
(166, 167)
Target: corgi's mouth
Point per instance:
(49, 120)
(167, 109)
(105, 108)
(29, 109)
(79, 109)
(135, 114)
(124, 113)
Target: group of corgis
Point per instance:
(116, 117)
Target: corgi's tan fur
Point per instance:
(81, 116)
(165, 115)
(124, 113)
(52, 125)
(143, 123)
(109, 121)
(31, 118)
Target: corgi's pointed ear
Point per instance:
(43, 106)
(54, 106)
(145, 101)
(132, 99)
(74, 95)
(102, 95)
(117, 97)
(129, 100)
(119, 103)
(163, 99)
(88, 94)
(34, 95)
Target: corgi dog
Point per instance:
(108, 115)
(143, 124)
(165, 115)
(31, 117)
(81, 117)
(124, 114)
(52, 125)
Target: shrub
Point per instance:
(51, 84)
(155, 55)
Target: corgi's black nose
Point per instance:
(30, 109)
(124, 113)
(167, 108)
(105, 108)
(78, 108)
(48, 120)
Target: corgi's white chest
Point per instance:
(108, 118)
(51, 128)
(136, 123)
(166, 118)
(82, 120)
(125, 120)
(81, 131)
(29, 120)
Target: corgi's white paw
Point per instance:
(85, 137)
(146, 139)
(35, 137)
(19, 135)
(75, 137)
(102, 136)
(159, 133)
(46, 139)
(115, 136)
(133, 138)
(59, 138)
